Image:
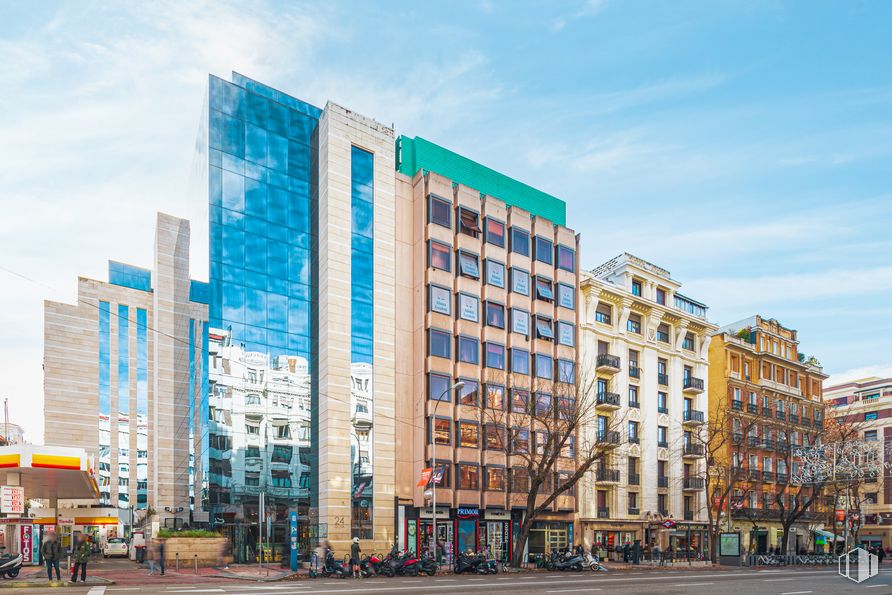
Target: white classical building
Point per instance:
(646, 347)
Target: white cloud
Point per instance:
(589, 8)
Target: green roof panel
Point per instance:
(417, 153)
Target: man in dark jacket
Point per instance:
(162, 549)
(81, 556)
(50, 552)
(354, 557)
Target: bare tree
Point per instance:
(724, 444)
(549, 429)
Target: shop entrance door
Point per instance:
(496, 539)
(557, 539)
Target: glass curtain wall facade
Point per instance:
(259, 342)
(142, 409)
(104, 403)
(362, 341)
(123, 406)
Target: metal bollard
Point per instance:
(178, 561)
(196, 563)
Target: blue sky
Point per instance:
(744, 146)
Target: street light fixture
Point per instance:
(457, 386)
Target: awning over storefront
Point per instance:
(49, 472)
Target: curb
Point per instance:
(97, 582)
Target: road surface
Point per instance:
(744, 581)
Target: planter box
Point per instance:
(209, 551)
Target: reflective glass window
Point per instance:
(520, 400)
(467, 350)
(495, 314)
(440, 211)
(544, 329)
(566, 258)
(495, 356)
(468, 476)
(439, 343)
(495, 232)
(544, 250)
(520, 361)
(441, 431)
(440, 256)
(469, 393)
(520, 241)
(544, 367)
(438, 387)
(495, 437)
(468, 434)
(566, 371)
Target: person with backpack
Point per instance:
(50, 552)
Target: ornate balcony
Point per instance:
(606, 475)
(634, 511)
(766, 411)
(662, 482)
(736, 405)
(634, 479)
(663, 379)
(768, 476)
(609, 438)
(608, 363)
(692, 451)
(603, 513)
(693, 483)
(794, 418)
(692, 385)
(781, 415)
(634, 371)
(752, 408)
(607, 401)
(693, 417)
(689, 515)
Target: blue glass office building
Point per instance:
(262, 243)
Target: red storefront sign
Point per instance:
(26, 539)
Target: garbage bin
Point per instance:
(140, 554)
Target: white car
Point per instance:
(116, 546)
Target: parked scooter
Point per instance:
(594, 563)
(470, 563)
(334, 567)
(10, 564)
(565, 561)
(372, 566)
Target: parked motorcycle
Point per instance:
(372, 565)
(10, 564)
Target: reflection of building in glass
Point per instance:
(115, 382)
(259, 431)
(361, 448)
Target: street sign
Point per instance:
(668, 523)
(292, 528)
(26, 543)
(12, 500)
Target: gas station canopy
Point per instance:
(49, 472)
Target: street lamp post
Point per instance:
(457, 386)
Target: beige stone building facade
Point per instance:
(486, 296)
(647, 346)
(117, 378)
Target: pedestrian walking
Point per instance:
(162, 549)
(880, 555)
(50, 552)
(81, 555)
(355, 551)
(656, 554)
(626, 552)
